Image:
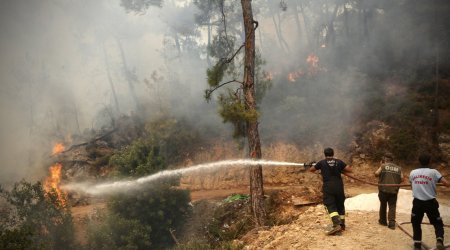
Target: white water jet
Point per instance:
(117, 186)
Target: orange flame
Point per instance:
(313, 60)
(268, 76)
(58, 148)
(293, 76)
(312, 69)
(52, 182)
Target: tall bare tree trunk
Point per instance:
(305, 21)
(435, 137)
(283, 44)
(347, 31)
(297, 22)
(331, 34)
(128, 78)
(254, 143)
(111, 84)
(436, 102)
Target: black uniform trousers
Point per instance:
(431, 208)
(334, 197)
(387, 199)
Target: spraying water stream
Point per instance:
(124, 185)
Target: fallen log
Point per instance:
(88, 142)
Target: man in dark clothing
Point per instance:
(333, 188)
(388, 173)
(423, 182)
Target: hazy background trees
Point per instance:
(64, 63)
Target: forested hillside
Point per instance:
(112, 97)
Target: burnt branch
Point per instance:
(88, 142)
(209, 92)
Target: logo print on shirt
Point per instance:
(421, 179)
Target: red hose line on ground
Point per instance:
(376, 184)
(398, 224)
(385, 185)
(423, 244)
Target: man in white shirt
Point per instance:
(423, 181)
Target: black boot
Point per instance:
(336, 228)
(343, 224)
(382, 222)
(417, 246)
(440, 244)
(391, 225)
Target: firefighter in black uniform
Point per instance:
(333, 188)
(388, 173)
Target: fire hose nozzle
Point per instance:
(309, 164)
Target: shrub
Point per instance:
(115, 232)
(404, 144)
(37, 218)
(140, 158)
(446, 125)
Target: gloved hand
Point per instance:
(309, 164)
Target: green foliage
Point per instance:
(17, 238)
(222, 46)
(404, 144)
(446, 124)
(140, 6)
(215, 74)
(262, 79)
(236, 197)
(193, 245)
(140, 158)
(115, 232)
(175, 138)
(143, 219)
(160, 208)
(165, 142)
(231, 220)
(232, 109)
(229, 66)
(231, 245)
(36, 217)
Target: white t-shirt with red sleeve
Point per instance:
(423, 182)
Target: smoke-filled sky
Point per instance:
(53, 69)
(59, 58)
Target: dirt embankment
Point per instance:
(306, 231)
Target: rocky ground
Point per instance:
(306, 229)
(363, 230)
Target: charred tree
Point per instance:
(254, 143)
(283, 44)
(111, 84)
(130, 77)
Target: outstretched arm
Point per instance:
(378, 172)
(444, 181)
(347, 169)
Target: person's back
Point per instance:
(390, 174)
(423, 181)
(333, 188)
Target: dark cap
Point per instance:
(388, 156)
(328, 152)
(424, 159)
